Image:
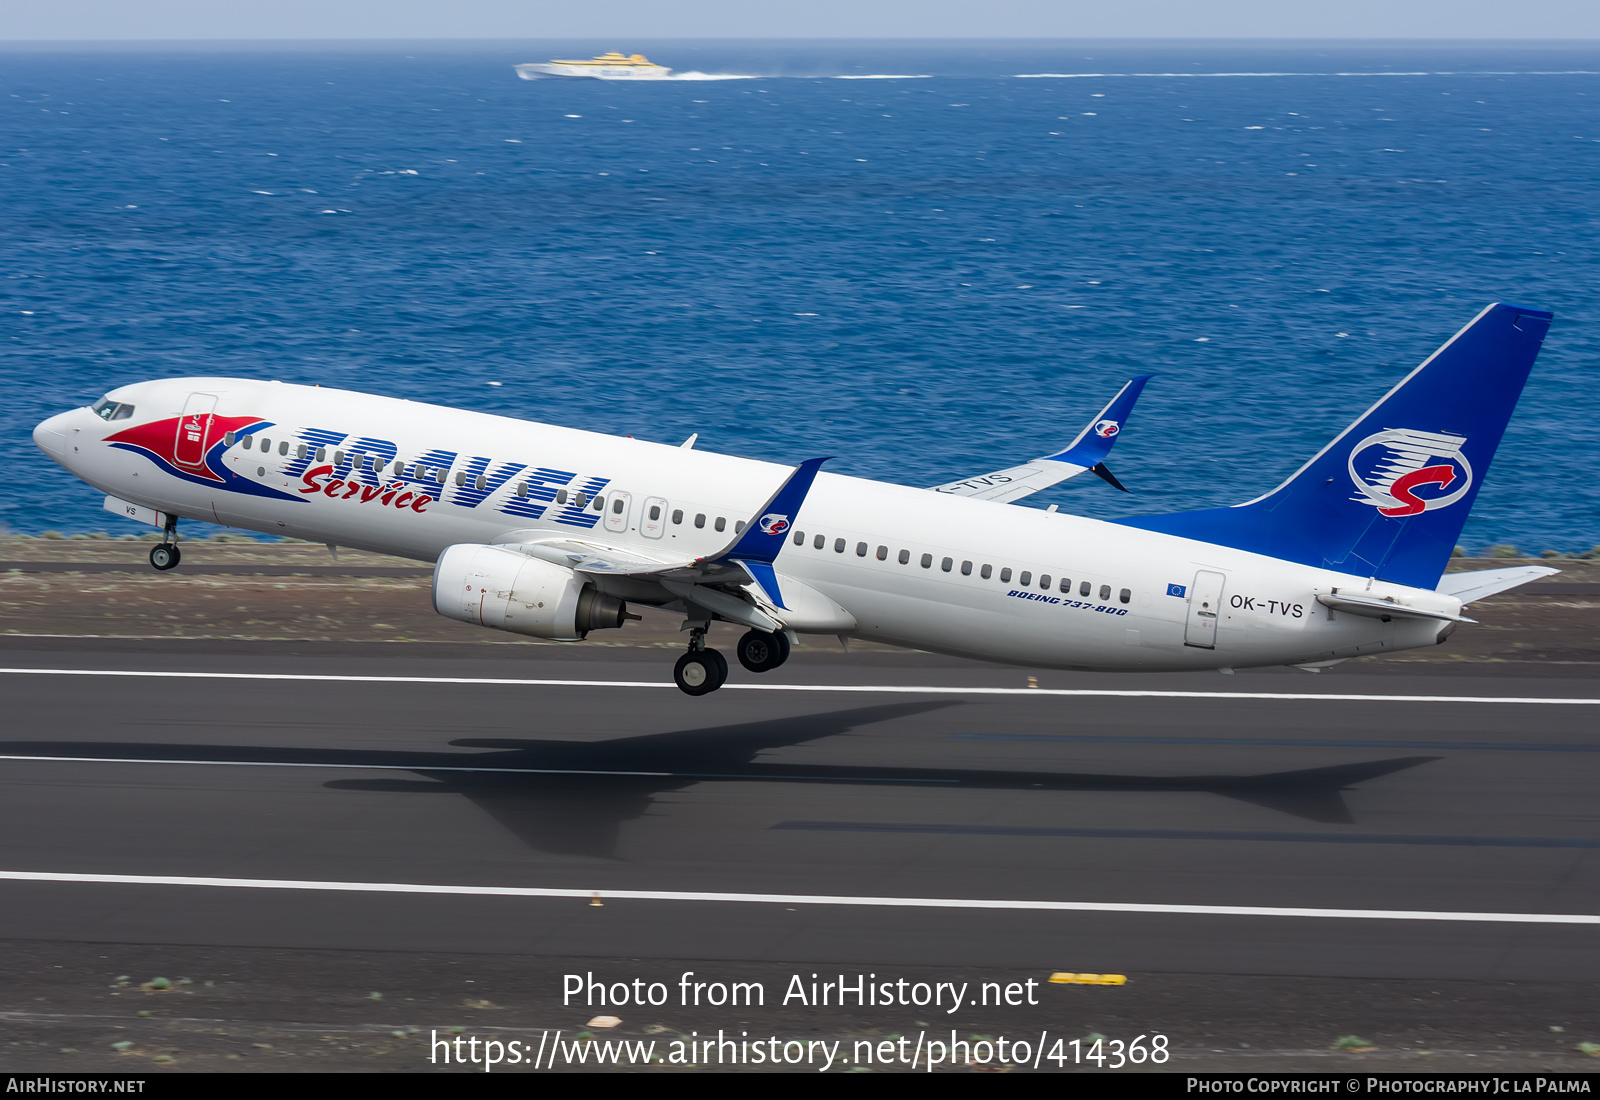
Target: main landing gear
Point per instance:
(165, 554)
(761, 652)
(702, 671)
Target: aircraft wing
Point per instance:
(1085, 453)
(716, 581)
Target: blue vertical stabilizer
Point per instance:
(1389, 496)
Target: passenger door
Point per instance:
(1205, 604)
(194, 432)
(617, 508)
(653, 522)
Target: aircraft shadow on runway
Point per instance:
(571, 798)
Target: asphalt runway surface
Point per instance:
(1393, 806)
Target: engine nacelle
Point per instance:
(495, 587)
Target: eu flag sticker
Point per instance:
(1176, 590)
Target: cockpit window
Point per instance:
(107, 409)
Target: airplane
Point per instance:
(551, 532)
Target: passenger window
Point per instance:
(322, 454)
(721, 524)
(522, 490)
(480, 483)
(927, 561)
(905, 557)
(655, 512)
(738, 527)
(966, 569)
(561, 496)
(617, 503)
(247, 441)
(838, 546)
(1066, 585)
(266, 444)
(883, 553)
(599, 504)
(228, 439)
(861, 549)
(1083, 589)
(947, 565)
(1044, 582)
(799, 538)
(819, 542)
(677, 515)
(461, 477)
(1105, 591)
(283, 448)
(986, 572)
(700, 520)
(1125, 595)
(300, 453)
(1026, 578)
(1005, 575)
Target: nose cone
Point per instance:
(51, 436)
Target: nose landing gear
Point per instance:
(165, 554)
(700, 671)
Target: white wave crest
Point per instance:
(887, 76)
(714, 76)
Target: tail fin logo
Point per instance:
(1403, 472)
(1105, 429)
(773, 524)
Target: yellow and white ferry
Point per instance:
(608, 66)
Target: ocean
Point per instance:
(928, 259)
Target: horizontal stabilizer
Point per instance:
(1481, 583)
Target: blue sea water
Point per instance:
(931, 274)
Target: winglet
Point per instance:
(763, 536)
(1095, 441)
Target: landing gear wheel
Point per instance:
(165, 556)
(762, 652)
(700, 672)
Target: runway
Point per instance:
(1178, 824)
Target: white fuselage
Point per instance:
(1133, 616)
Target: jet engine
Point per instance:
(495, 587)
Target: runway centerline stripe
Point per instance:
(1273, 742)
(867, 689)
(1091, 833)
(588, 893)
(422, 769)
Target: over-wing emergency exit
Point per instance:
(552, 533)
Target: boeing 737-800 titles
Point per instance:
(550, 532)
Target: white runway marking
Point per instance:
(797, 899)
(867, 689)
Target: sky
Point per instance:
(133, 20)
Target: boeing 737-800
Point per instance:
(551, 532)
